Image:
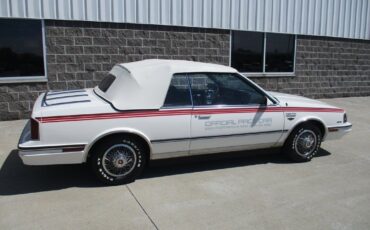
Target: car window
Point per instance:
(178, 93)
(223, 89)
(106, 82)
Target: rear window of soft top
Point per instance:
(106, 82)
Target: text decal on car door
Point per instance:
(239, 123)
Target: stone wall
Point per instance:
(326, 68)
(79, 54)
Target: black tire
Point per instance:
(118, 160)
(297, 147)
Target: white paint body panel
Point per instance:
(168, 132)
(227, 125)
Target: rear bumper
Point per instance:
(50, 156)
(32, 153)
(337, 132)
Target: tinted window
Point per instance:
(178, 93)
(247, 51)
(222, 89)
(279, 53)
(250, 51)
(106, 82)
(21, 48)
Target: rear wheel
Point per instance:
(303, 143)
(118, 160)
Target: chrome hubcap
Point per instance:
(119, 160)
(306, 142)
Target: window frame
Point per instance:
(238, 75)
(26, 79)
(264, 73)
(191, 106)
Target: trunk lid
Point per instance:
(66, 97)
(70, 102)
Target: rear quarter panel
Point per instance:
(88, 131)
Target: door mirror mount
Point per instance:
(264, 100)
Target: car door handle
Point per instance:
(204, 117)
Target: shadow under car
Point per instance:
(17, 178)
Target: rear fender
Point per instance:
(116, 131)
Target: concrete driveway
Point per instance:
(251, 192)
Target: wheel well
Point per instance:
(134, 136)
(316, 123)
(320, 125)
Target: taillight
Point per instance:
(35, 135)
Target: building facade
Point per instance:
(315, 48)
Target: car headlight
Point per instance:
(344, 118)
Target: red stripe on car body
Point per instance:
(156, 113)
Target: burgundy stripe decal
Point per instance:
(156, 113)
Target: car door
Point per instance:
(230, 113)
(173, 126)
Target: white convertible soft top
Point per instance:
(144, 84)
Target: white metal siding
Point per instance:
(336, 18)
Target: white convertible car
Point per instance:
(155, 109)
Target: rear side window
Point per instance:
(178, 93)
(106, 82)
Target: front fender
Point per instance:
(304, 119)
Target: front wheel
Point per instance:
(303, 143)
(118, 160)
